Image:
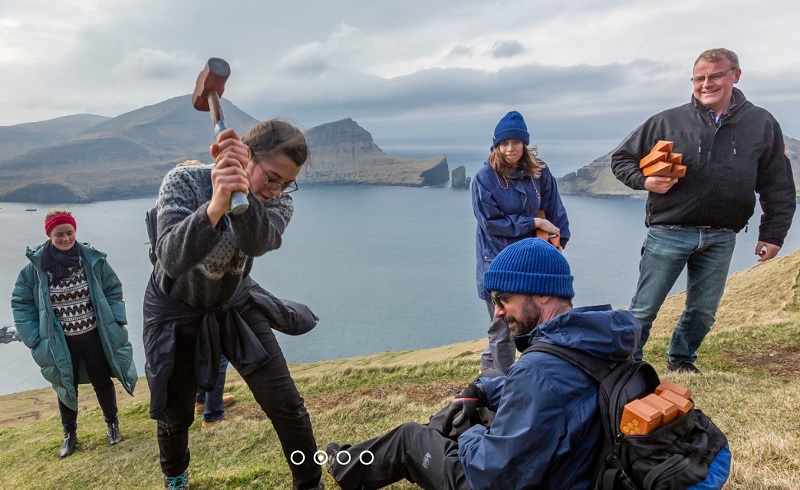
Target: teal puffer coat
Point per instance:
(40, 329)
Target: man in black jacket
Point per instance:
(732, 151)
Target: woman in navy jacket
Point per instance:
(507, 194)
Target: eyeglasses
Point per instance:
(273, 185)
(700, 79)
(499, 299)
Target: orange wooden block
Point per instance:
(683, 404)
(653, 157)
(554, 240)
(657, 169)
(668, 409)
(675, 158)
(677, 172)
(639, 418)
(673, 387)
(661, 145)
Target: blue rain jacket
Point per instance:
(547, 430)
(505, 215)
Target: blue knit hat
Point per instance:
(530, 266)
(511, 127)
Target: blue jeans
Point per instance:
(501, 351)
(706, 254)
(214, 409)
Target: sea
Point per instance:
(385, 268)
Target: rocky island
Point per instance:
(343, 152)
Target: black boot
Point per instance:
(70, 441)
(114, 437)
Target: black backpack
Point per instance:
(674, 456)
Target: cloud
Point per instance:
(577, 70)
(506, 49)
(154, 64)
(341, 51)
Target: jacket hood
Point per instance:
(597, 330)
(35, 254)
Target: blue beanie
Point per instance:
(530, 266)
(511, 127)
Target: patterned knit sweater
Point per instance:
(72, 304)
(203, 265)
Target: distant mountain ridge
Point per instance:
(16, 140)
(597, 180)
(87, 158)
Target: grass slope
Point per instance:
(750, 387)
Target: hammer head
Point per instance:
(211, 79)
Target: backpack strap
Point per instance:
(151, 221)
(594, 367)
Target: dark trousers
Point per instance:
(418, 453)
(87, 349)
(273, 389)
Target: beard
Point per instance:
(526, 321)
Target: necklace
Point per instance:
(500, 184)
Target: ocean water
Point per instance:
(385, 268)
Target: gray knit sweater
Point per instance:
(202, 265)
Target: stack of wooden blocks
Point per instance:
(643, 416)
(662, 162)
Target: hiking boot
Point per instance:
(70, 442)
(331, 449)
(114, 437)
(210, 424)
(180, 482)
(682, 368)
(227, 400)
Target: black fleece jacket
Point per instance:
(726, 167)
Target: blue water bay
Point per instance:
(385, 268)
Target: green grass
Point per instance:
(753, 400)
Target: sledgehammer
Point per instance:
(209, 87)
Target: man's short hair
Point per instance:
(714, 54)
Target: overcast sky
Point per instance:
(436, 73)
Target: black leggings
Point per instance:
(273, 389)
(87, 349)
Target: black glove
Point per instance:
(461, 408)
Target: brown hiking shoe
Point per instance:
(227, 400)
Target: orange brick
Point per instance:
(639, 418)
(554, 240)
(653, 157)
(683, 404)
(662, 145)
(678, 171)
(657, 169)
(668, 409)
(675, 157)
(675, 388)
